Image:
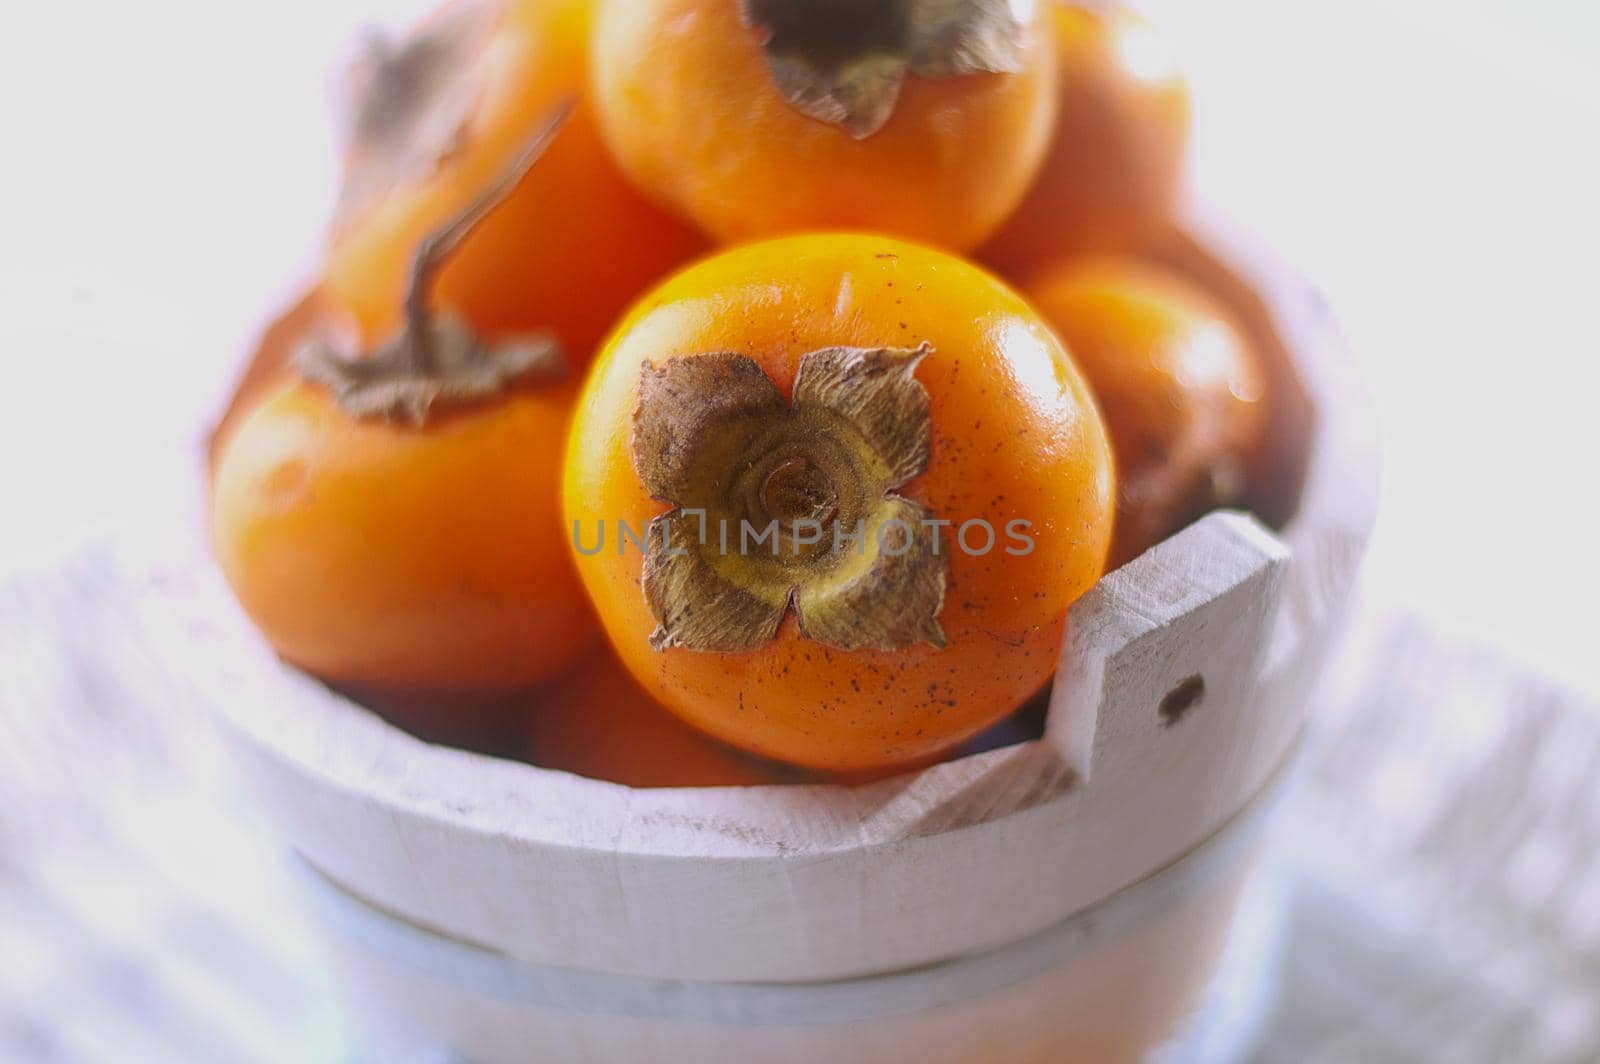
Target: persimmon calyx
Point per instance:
(387, 384)
(781, 504)
(411, 103)
(844, 61)
(438, 359)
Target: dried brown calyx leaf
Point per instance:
(781, 505)
(438, 360)
(462, 370)
(412, 102)
(843, 61)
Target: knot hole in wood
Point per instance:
(1181, 699)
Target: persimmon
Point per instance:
(761, 117)
(1181, 391)
(1116, 159)
(832, 496)
(596, 721)
(390, 521)
(439, 117)
(378, 556)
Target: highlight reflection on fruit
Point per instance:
(1116, 158)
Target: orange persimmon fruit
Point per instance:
(1116, 159)
(762, 117)
(596, 721)
(1180, 389)
(441, 116)
(393, 558)
(390, 521)
(832, 496)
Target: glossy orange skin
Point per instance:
(1179, 386)
(689, 109)
(1015, 436)
(595, 721)
(407, 560)
(568, 250)
(1116, 160)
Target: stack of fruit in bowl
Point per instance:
(737, 391)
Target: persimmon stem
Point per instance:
(435, 249)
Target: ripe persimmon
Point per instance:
(441, 116)
(390, 522)
(847, 488)
(1116, 159)
(596, 721)
(1182, 394)
(391, 558)
(760, 117)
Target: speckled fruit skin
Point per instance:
(1015, 436)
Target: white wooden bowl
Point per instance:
(1184, 683)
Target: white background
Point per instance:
(1434, 164)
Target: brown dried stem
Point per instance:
(439, 359)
